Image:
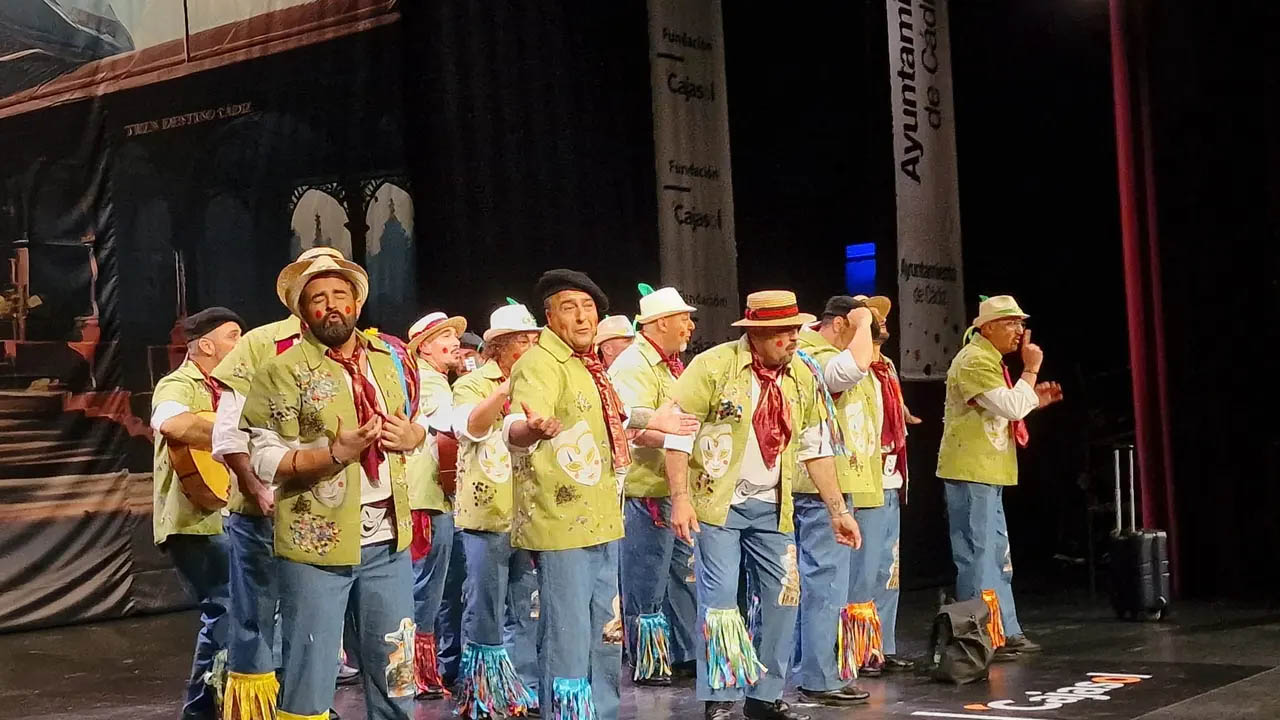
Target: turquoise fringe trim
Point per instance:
(653, 647)
(731, 656)
(490, 684)
(571, 700)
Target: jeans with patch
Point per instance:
(980, 546)
(313, 601)
(203, 563)
(749, 540)
(657, 577)
(498, 594)
(576, 591)
(874, 571)
(448, 622)
(254, 645)
(824, 583)
(430, 571)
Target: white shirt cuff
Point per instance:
(1013, 403)
(461, 415)
(842, 372)
(507, 422)
(683, 443)
(228, 438)
(814, 444)
(165, 412)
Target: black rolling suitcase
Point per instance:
(1139, 561)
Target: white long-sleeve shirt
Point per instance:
(1013, 403)
(842, 372)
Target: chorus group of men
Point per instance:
(507, 524)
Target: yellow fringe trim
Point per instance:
(250, 696)
(291, 716)
(859, 643)
(995, 626)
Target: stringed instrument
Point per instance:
(447, 446)
(203, 480)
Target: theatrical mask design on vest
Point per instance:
(577, 454)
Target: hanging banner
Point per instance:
(697, 250)
(930, 276)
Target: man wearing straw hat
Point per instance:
(328, 427)
(497, 678)
(839, 352)
(874, 570)
(253, 647)
(657, 583)
(761, 412)
(568, 435)
(434, 343)
(192, 535)
(614, 334)
(983, 426)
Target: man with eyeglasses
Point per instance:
(983, 426)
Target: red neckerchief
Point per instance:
(366, 400)
(612, 407)
(672, 361)
(771, 419)
(1018, 427)
(894, 433)
(213, 386)
(506, 404)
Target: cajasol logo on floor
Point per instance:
(1098, 688)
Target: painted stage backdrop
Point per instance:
(150, 170)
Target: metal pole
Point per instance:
(1119, 500)
(1133, 500)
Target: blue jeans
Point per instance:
(313, 601)
(429, 573)
(254, 645)
(751, 530)
(203, 563)
(657, 578)
(980, 546)
(576, 590)
(824, 583)
(448, 622)
(499, 591)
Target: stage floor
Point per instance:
(1207, 662)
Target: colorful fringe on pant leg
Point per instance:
(653, 647)
(995, 625)
(250, 696)
(425, 669)
(285, 715)
(858, 640)
(571, 700)
(731, 656)
(489, 684)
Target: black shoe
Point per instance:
(1022, 644)
(430, 694)
(759, 710)
(333, 714)
(654, 682)
(535, 711)
(848, 695)
(1006, 654)
(684, 670)
(719, 711)
(895, 664)
(869, 671)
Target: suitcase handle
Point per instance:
(1133, 502)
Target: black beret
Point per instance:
(207, 320)
(554, 281)
(471, 340)
(841, 305)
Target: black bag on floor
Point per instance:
(960, 648)
(1139, 561)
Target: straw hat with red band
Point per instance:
(773, 308)
(295, 277)
(282, 280)
(431, 325)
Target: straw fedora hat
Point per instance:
(614, 326)
(282, 282)
(431, 325)
(998, 307)
(296, 275)
(773, 308)
(661, 303)
(880, 305)
(512, 318)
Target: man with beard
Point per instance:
(569, 441)
(983, 427)
(838, 351)
(875, 568)
(189, 534)
(328, 428)
(761, 413)
(253, 647)
(434, 342)
(657, 587)
(500, 663)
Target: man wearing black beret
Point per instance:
(189, 534)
